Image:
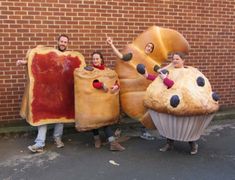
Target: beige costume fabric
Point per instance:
(95, 108)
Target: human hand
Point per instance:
(162, 75)
(109, 40)
(115, 89)
(20, 62)
(105, 88)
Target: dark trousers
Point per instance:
(171, 142)
(107, 131)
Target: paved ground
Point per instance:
(141, 160)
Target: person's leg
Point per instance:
(41, 137)
(96, 138)
(168, 146)
(40, 140)
(194, 147)
(146, 135)
(114, 145)
(57, 134)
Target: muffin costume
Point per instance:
(183, 111)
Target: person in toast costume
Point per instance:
(49, 97)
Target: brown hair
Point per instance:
(180, 54)
(62, 35)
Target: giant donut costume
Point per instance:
(95, 108)
(49, 93)
(134, 85)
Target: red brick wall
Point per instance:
(209, 26)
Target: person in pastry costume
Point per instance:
(98, 62)
(101, 86)
(126, 57)
(181, 103)
(50, 75)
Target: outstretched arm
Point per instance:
(115, 50)
(142, 70)
(168, 82)
(99, 85)
(21, 62)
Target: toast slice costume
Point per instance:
(49, 94)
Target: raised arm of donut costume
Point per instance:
(183, 111)
(95, 106)
(134, 85)
(50, 87)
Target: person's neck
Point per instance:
(100, 67)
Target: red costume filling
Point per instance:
(53, 91)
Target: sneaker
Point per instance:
(115, 146)
(167, 147)
(147, 136)
(35, 149)
(194, 149)
(97, 142)
(59, 143)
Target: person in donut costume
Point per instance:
(145, 134)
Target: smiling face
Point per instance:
(96, 60)
(63, 43)
(177, 61)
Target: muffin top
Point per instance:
(191, 94)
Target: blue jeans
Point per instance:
(107, 131)
(42, 131)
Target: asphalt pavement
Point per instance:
(141, 160)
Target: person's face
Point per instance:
(63, 43)
(177, 61)
(149, 48)
(96, 60)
